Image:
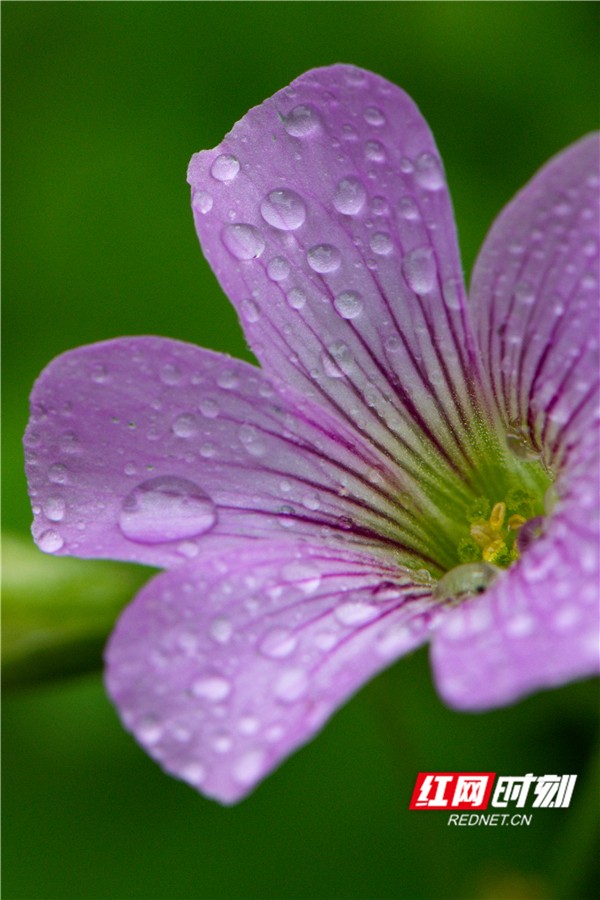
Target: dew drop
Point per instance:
(355, 612)
(381, 243)
(452, 293)
(243, 241)
(50, 541)
(99, 373)
(323, 258)
(222, 742)
(54, 509)
(227, 379)
(304, 575)
(408, 209)
(225, 167)
(186, 425)
(252, 440)
(250, 311)
(221, 629)
(278, 643)
(149, 730)
(202, 202)
(524, 293)
(464, 581)
(212, 687)
(301, 121)
(170, 374)
(57, 473)
(291, 685)
(375, 151)
(209, 408)
(350, 196)
(296, 298)
(419, 269)
(428, 172)
(166, 508)
(208, 450)
(283, 209)
(278, 268)
(194, 773)
(374, 116)
(348, 304)
(338, 361)
(248, 768)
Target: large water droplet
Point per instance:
(278, 643)
(225, 167)
(465, 581)
(408, 209)
(419, 269)
(355, 612)
(243, 241)
(250, 311)
(248, 768)
(202, 202)
(350, 196)
(278, 268)
(283, 209)
(428, 172)
(302, 120)
(166, 508)
(186, 425)
(374, 116)
(221, 629)
(54, 509)
(291, 685)
(375, 151)
(348, 304)
(50, 541)
(324, 258)
(296, 298)
(338, 361)
(213, 688)
(381, 243)
(57, 473)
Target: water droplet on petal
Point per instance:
(202, 202)
(301, 121)
(428, 172)
(186, 425)
(243, 241)
(350, 196)
(50, 541)
(452, 293)
(338, 361)
(227, 379)
(375, 151)
(209, 408)
(420, 270)
(408, 209)
(252, 439)
(248, 768)
(304, 575)
(278, 643)
(250, 311)
(194, 773)
(348, 304)
(283, 209)
(355, 612)
(296, 298)
(57, 473)
(212, 687)
(374, 116)
(465, 581)
(166, 508)
(278, 268)
(324, 258)
(54, 509)
(225, 167)
(221, 629)
(381, 243)
(291, 685)
(524, 293)
(99, 373)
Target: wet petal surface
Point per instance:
(221, 670)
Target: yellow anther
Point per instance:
(515, 522)
(492, 550)
(497, 516)
(481, 532)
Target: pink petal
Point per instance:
(535, 304)
(223, 669)
(144, 448)
(325, 215)
(538, 625)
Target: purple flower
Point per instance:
(406, 465)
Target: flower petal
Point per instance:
(325, 215)
(223, 669)
(538, 625)
(143, 448)
(535, 304)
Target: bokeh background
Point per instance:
(104, 103)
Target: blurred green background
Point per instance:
(104, 103)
